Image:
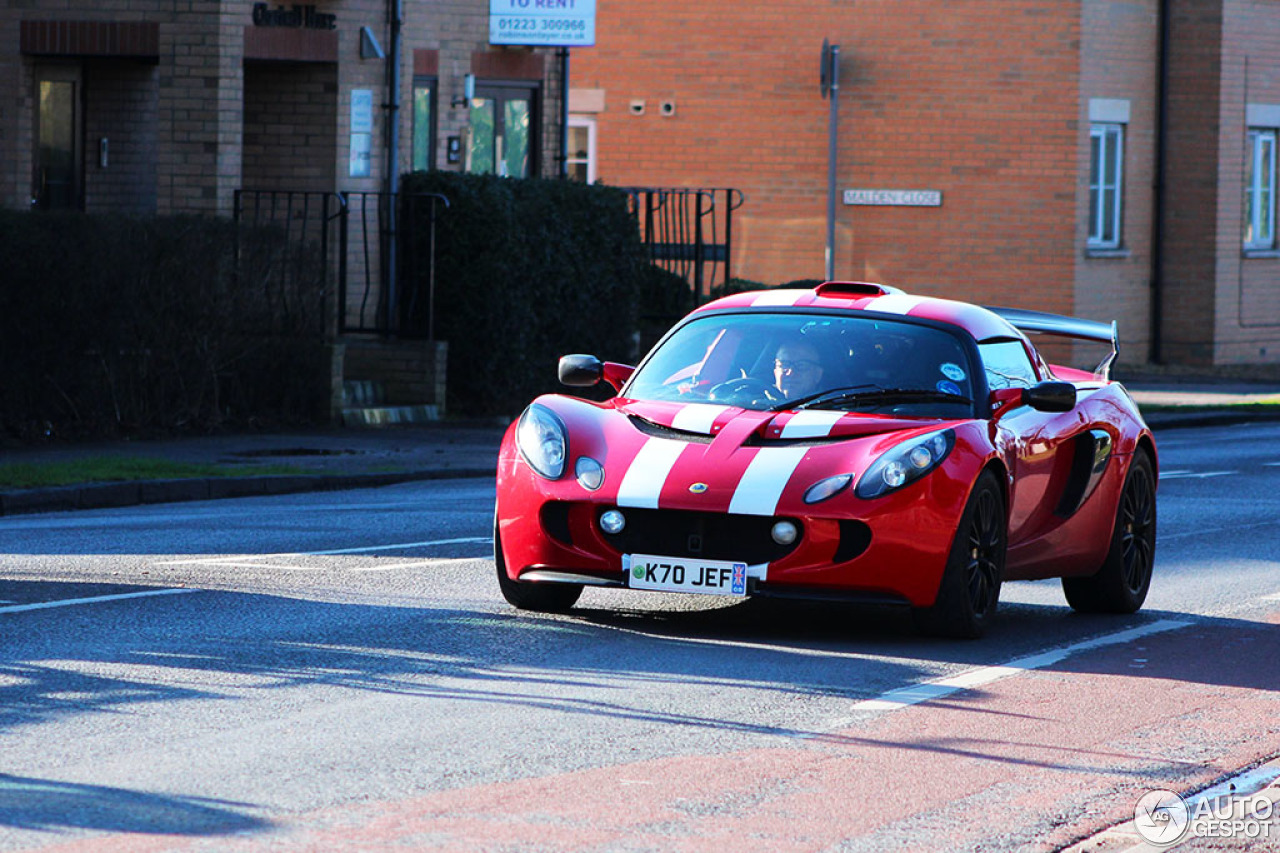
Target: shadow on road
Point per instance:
(37, 804)
(605, 667)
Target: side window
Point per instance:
(582, 149)
(1106, 182)
(1007, 365)
(1260, 190)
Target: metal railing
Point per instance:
(346, 239)
(689, 232)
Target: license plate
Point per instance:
(679, 574)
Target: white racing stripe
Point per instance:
(779, 297)
(811, 423)
(917, 693)
(764, 480)
(97, 599)
(894, 303)
(642, 484)
(697, 417)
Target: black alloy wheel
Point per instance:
(1122, 581)
(970, 589)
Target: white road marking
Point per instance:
(1190, 475)
(917, 693)
(1275, 596)
(97, 599)
(366, 549)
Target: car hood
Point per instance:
(722, 458)
(710, 419)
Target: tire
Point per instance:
(1121, 584)
(538, 597)
(970, 588)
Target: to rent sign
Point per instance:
(547, 23)
(895, 198)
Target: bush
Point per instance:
(113, 325)
(527, 271)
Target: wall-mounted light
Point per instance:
(468, 92)
(369, 47)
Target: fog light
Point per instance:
(784, 532)
(612, 521)
(590, 473)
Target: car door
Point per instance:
(1033, 443)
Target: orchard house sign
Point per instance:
(298, 17)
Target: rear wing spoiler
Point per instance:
(1066, 327)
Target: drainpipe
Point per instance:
(1157, 200)
(393, 165)
(564, 112)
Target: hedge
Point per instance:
(527, 271)
(112, 325)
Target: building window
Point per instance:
(424, 123)
(1260, 190)
(582, 149)
(1106, 179)
(504, 130)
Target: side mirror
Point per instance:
(1051, 397)
(580, 371)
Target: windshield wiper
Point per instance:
(871, 392)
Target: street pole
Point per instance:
(832, 56)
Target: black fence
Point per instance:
(689, 232)
(346, 239)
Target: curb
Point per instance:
(114, 495)
(1167, 420)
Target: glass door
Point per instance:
(56, 182)
(504, 131)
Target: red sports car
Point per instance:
(850, 442)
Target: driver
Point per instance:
(797, 369)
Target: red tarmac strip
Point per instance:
(1034, 761)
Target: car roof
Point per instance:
(981, 323)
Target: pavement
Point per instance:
(330, 459)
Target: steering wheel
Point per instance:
(744, 391)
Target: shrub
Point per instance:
(527, 271)
(114, 325)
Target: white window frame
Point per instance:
(1100, 213)
(1260, 190)
(589, 122)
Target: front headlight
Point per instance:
(905, 464)
(542, 440)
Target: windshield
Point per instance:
(792, 361)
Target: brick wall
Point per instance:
(1194, 159)
(192, 82)
(121, 105)
(1119, 63)
(977, 100)
(290, 121)
(1247, 305)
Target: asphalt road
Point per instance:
(337, 671)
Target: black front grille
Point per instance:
(705, 535)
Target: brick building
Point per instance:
(152, 106)
(285, 111)
(1107, 158)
